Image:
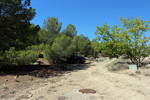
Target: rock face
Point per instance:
(87, 91)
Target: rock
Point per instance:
(30, 95)
(16, 77)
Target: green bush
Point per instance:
(40, 47)
(60, 50)
(82, 45)
(23, 57)
(49, 54)
(26, 57)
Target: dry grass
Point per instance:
(118, 64)
(138, 72)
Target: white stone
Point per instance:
(133, 67)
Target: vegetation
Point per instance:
(60, 50)
(127, 39)
(17, 33)
(22, 57)
(22, 41)
(50, 30)
(16, 30)
(70, 31)
(61, 44)
(95, 47)
(82, 44)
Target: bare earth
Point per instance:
(121, 85)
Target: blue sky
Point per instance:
(87, 14)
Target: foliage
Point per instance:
(50, 30)
(33, 38)
(127, 39)
(70, 31)
(49, 54)
(15, 27)
(60, 50)
(38, 48)
(83, 45)
(95, 47)
(21, 57)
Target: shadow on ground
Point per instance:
(43, 71)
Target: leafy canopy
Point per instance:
(60, 50)
(50, 30)
(15, 17)
(83, 45)
(95, 48)
(127, 39)
(70, 31)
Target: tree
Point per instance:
(70, 31)
(15, 17)
(33, 38)
(60, 50)
(83, 44)
(126, 39)
(50, 30)
(17, 33)
(95, 47)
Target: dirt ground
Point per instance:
(121, 85)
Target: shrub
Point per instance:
(60, 50)
(118, 64)
(49, 54)
(138, 72)
(22, 57)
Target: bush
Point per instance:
(60, 50)
(26, 57)
(49, 54)
(118, 67)
(39, 48)
(23, 57)
(118, 64)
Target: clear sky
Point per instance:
(87, 14)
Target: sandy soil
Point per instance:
(122, 85)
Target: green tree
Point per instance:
(95, 48)
(126, 39)
(15, 17)
(17, 33)
(83, 45)
(33, 38)
(75, 42)
(70, 31)
(60, 50)
(50, 30)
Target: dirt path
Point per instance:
(109, 86)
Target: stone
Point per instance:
(132, 67)
(16, 77)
